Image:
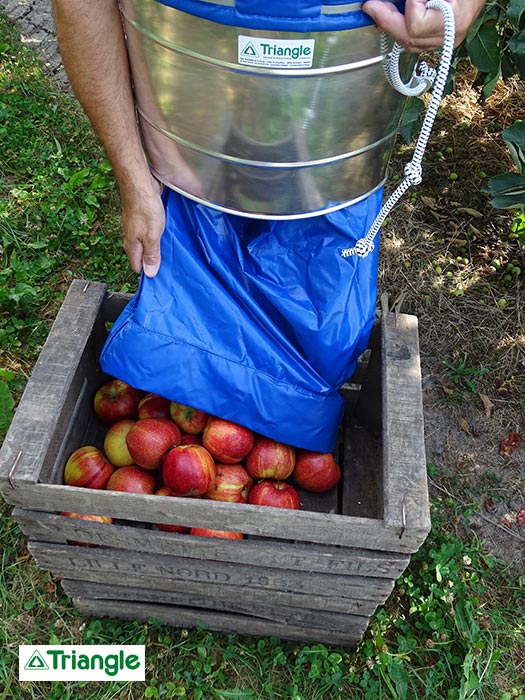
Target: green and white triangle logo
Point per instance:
(249, 50)
(36, 662)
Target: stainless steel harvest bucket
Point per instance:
(262, 121)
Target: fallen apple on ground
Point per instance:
(116, 400)
(277, 494)
(132, 479)
(188, 470)
(269, 459)
(316, 471)
(150, 439)
(87, 467)
(228, 442)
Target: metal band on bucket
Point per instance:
(259, 121)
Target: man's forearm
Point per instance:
(92, 45)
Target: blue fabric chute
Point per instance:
(259, 322)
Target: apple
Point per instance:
(85, 516)
(188, 470)
(153, 406)
(87, 467)
(232, 484)
(116, 400)
(150, 439)
(132, 479)
(206, 532)
(270, 459)
(187, 439)
(115, 446)
(316, 471)
(278, 494)
(166, 527)
(228, 442)
(191, 420)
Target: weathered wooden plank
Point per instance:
(287, 524)
(361, 494)
(273, 553)
(37, 425)
(405, 488)
(220, 622)
(270, 610)
(48, 527)
(61, 559)
(223, 593)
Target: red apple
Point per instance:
(166, 527)
(87, 467)
(278, 494)
(150, 439)
(187, 439)
(228, 442)
(132, 479)
(191, 420)
(188, 470)
(232, 484)
(153, 406)
(316, 471)
(226, 534)
(270, 459)
(116, 400)
(85, 516)
(115, 446)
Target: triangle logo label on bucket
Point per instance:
(275, 53)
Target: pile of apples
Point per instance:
(156, 446)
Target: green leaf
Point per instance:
(510, 201)
(515, 11)
(517, 43)
(484, 49)
(511, 183)
(411, 122)
(514, 136)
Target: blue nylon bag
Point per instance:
(256, 321)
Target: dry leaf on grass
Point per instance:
(510, 445)
(463, 425)
(487, 404)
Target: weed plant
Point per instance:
(454, 626)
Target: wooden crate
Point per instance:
(317, 574)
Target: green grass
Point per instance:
(454, 627)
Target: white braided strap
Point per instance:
(413, 169)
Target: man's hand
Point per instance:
(143, 221)
(421, 29)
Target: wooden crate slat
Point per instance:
(53, 556)
(195, 512)
(220, 622)
(404, 460)
(48, 527)
(223, 592)
(50, 393)
(271, 610)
